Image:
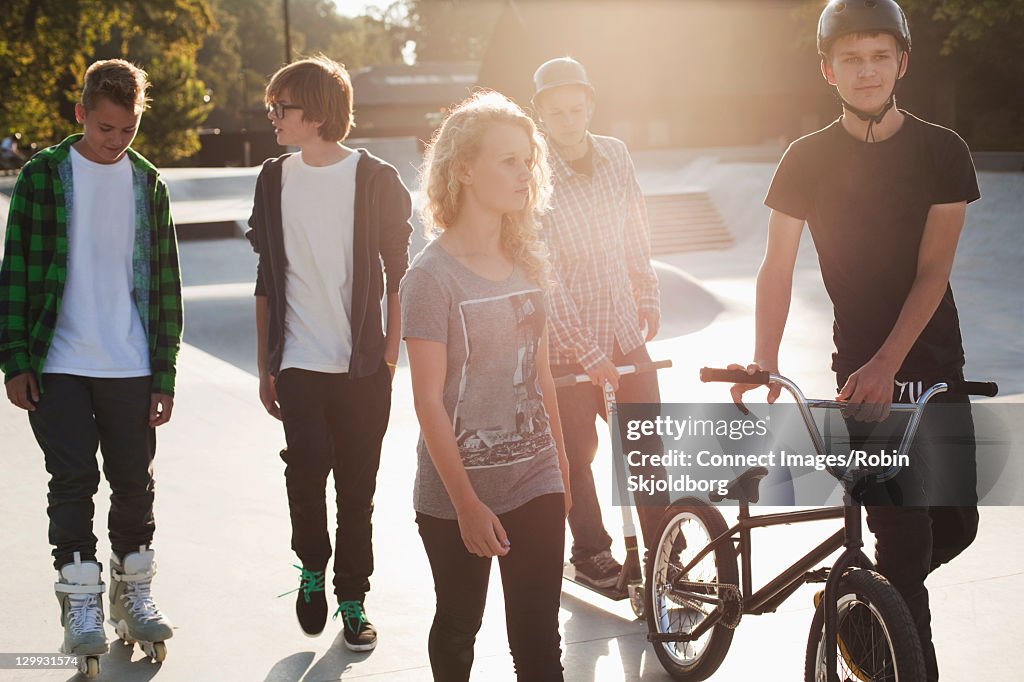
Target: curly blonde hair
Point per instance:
(455, 144)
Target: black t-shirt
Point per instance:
(866, 205)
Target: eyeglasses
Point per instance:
(279, 109)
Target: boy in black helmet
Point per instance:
(885, 195)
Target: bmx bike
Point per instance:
(697, 594)
(697, 583)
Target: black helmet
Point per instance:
(842, 17)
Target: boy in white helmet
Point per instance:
(607, 306)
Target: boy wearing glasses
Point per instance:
(90, 326)
(331, 227)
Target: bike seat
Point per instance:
(744, 487)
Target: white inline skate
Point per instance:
(78, 590)
(133, 613)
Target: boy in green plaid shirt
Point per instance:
(90, 325)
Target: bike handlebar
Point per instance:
(638, 368)
(763, 378)
(734, 376)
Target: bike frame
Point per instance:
(781, 587)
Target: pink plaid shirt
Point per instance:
(599, 240)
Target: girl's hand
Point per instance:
(482, 532)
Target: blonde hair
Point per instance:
(455, 144)
(322, 87)
(119, 81)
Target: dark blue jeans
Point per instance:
(76, 416)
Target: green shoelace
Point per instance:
(309, 582)
(352, 612)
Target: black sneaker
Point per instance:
(599, 570)
(311, 602)
(360, 635)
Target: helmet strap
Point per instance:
(874, 119)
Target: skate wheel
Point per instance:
(121, 630)
(159, 652)
(90, 667)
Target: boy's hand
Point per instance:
(268, 396)
(651, 322)
(738, 390)
(605, 372)
(160, 407)
(868, 392)
(23, 392)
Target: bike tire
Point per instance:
(883, 645)
(699, 523)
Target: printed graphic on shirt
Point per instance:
(499, 422)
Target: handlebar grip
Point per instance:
(638, 368)
(734, 376)
(642, 367)
(984, 388)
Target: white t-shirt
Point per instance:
(317, 211)
(99, 332)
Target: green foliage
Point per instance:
(46, 46)
(967, 65)
(169, 129)
(968, 21)
(237, 62)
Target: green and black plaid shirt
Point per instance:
(35, 265)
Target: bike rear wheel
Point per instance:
(687, 527)
(877, 639)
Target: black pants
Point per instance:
(912, 541)
(579, 407)
(334, 423)
(75, 416)
(531, 579)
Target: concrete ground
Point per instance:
(223, 534)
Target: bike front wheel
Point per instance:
(876, 637)
(678, 602)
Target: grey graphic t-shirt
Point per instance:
(492, 330)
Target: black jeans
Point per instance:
(912, 541)
(75, 416)
(333, 423)
(531, 579)
(579, 407)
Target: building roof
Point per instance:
(428, 83)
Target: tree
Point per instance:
(450, 30)
(239, 59)
(966, 67)
(968, 21)
(46, 46)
